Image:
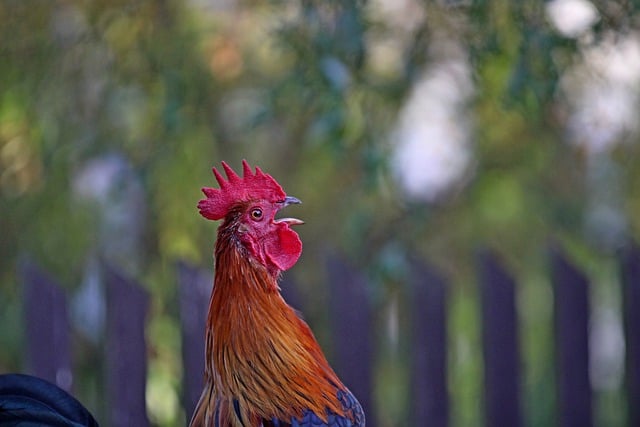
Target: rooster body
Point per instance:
(263, 365)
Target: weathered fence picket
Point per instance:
(630, 272)
(47, 326)
(291, 293)
(500, 343)
(126, 358)
(429, 392)
(350, 315)
(194, 290)
(571, 308)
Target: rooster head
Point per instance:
(248, 206)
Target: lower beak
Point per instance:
(290, 200)
(290, 221)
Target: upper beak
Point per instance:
(290, 200)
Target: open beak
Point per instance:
(289, 200)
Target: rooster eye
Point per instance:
(256, 214)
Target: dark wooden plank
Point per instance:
(571, 318)
(47, 337)
(126, 355)
(630, 269)
(500, 343)
(194, 291)
(291, 293)
(350, 316)
(430, 396)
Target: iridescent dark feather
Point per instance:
(350, 405)
(27, 401)
(354, 416)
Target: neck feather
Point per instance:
(258, 351)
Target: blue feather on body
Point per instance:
(309, 419)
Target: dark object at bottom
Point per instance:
(27, 401)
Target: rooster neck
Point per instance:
(245, 298)
(258, 351)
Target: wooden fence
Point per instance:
(48, 352)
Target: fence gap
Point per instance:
(500, 343)
(571, 309)
(47, 326)
(630, 261)
(126, 355)
(194, 291)
(429, 397)
(350, 317)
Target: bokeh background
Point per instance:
(407, 128)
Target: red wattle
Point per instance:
(284, 248)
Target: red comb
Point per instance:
(252, 186)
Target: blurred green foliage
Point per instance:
(171, 88)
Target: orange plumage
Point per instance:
(263, 365)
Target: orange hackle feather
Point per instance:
(259, 353)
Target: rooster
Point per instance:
(263, 366)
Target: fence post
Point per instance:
(291, 293)
(194, 291)
(500, 343)
(630, 270)
(47, 326)
(571, 309)
(350, 317)
(126, 361)
(430, 397)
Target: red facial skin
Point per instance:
(271, 242)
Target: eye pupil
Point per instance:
(256, 213)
